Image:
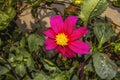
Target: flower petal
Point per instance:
(77, 33)
(69, 24)
(66, 52)
(79, 47)
(56, 23)
(70, 53)
(50, 44)
(49, 33)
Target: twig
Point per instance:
(82, 71)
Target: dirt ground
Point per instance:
(27, 22)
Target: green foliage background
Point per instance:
(23, 56)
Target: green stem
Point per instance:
(111, 44)
(99, 45)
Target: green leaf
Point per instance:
(117, 76)
(62, 76)
(19, 57)
(117, 48)
(36, 3)
(1, 1)
(11, 12)
(20, 69)
(41, 76)
(49, 65)
(4, 20)
(92, 8)
(11, 57)
(6, 16)
(75, 77)
(30, 63)
(104, 67)
(89, 67)
(27, 78)
(3, 70)
(118, 62)
(14, 2)
(103, 31)
(116, 3)
(24, 52)
(34, 41)
(22, 42)
(9, 77)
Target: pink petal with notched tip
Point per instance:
(70, 23)
(79, 47)
(56, 23)
(50, 33)
(77, 33)
(50, 44)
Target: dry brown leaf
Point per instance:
(113, 14)
(26, 17)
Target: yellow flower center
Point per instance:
(61, 39)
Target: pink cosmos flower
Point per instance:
(63, 37)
